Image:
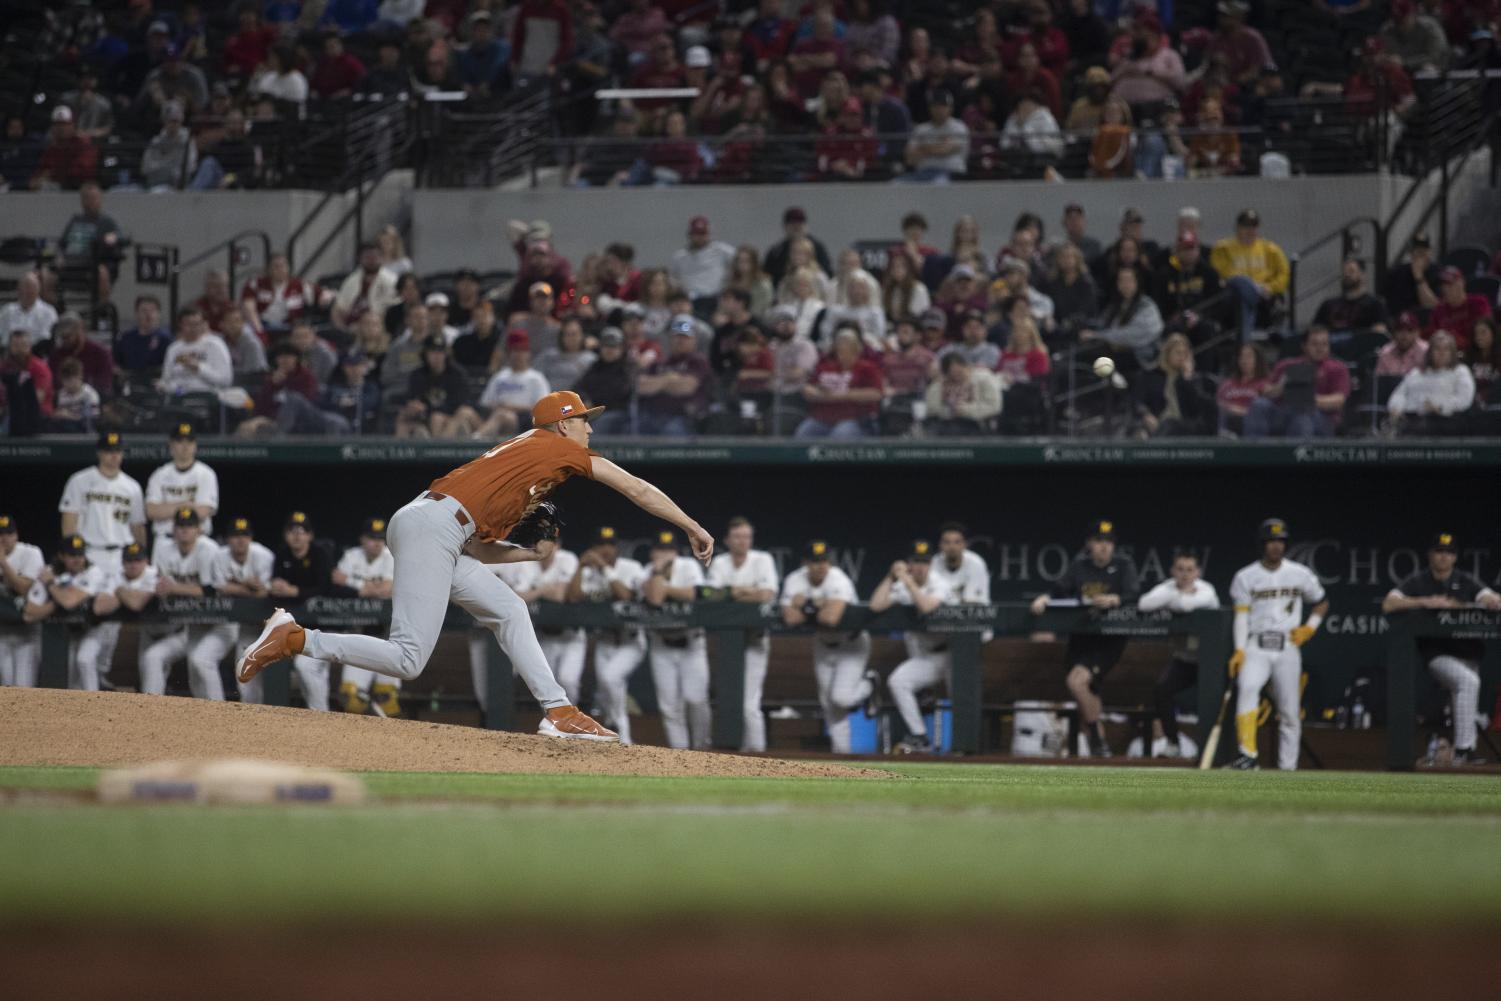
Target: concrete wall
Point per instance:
(452, 229)
(467, 227)
(193, 221)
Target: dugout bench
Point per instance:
(727, 622)
(1403, 665)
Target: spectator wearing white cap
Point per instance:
(171, 157)
(702, 268)
(69, 159)
(437, 317)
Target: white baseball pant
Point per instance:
(20, 655)
(1285, 669)
(86, 664)
(204, 650)
(426, 539)
(681, 676)
(614, 663)
(842, 685)
(1462, 679)
(917, 674)
(111, 558)
(565, 652)
(757, 653)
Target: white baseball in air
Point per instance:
(1103, 367)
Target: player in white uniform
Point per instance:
(104, 505)
(817, 593)
(565, 649)
(243, 569)
(751, 576)
(915, 583)
(20, 644)
(1269, 628)
(133, 588)
(367, 570)
(68, 585)
(186, 568)
(604, 575)
(183, 482)
(679, 657)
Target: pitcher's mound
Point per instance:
(52, 727)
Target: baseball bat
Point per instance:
(1212, 744)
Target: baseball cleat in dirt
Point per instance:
(279, 639)
(1244, 763)
(571, 723)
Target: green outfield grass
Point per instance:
(938, 840)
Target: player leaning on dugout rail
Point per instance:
(442, 541)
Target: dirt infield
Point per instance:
(51, 727)
(733, 962)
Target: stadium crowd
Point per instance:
(157, 95)
(123, 549)
(970, 335)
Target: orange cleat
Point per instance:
(281, 638)
(570, 722)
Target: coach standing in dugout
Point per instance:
(1097, 579)
(751, 576)
(303, 571)
(182, 482)
(1183, 592)
(1454, 663)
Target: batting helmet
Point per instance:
(1272, 530)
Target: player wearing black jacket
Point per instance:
(1096, 579)
(1454, 663)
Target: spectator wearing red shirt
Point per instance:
(661, 69)
(754, 365)
(768, 36)
(847, 147)
(1363, 89)
(247, 48)
(1049, 41)
(676, 152)
(844, 393)
(68, 341)
(908, 365)
(814, 56)
(215, 301)
(1025, 358)
(1457, 309)
(1273, 413)
(287, 376)
(1238, 391)
(1030, 75)
(26, 367)
(338, 73)
(620, 280)
(69, 158)
(638, 28)
(1241, 44)
(540, 264)
(277, 298)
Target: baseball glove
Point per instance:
(541, 525)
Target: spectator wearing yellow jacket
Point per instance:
(1255, 270)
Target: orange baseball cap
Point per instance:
(559, 406)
